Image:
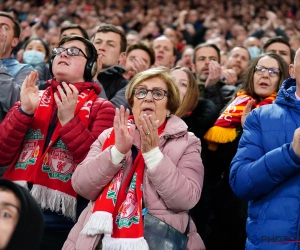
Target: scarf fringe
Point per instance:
(55, 200)
(109, 243)
(23, 184)
(100, 222)
(218, 134)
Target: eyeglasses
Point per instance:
(157, 94)
(272, 71)
(73, 51)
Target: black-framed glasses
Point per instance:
(157, 94)
(272, 71)
(72, 51)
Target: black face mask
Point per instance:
(29, 229)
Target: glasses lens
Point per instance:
(158, 94)
(273, 72)
(73, 51)
(140, 93)
(57, 50)
(260, 69)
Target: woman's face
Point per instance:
(149, 106)
(181, 80)
(264, 84)
(37, 46)
(9, 215)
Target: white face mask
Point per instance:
(33, 57)
(254, 51)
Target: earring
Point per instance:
(168, 115)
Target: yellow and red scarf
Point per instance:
(117, 211)
(49, 167)
(224, 129)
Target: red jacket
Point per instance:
(77, 137)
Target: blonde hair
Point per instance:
(164, 74)
(191, 97)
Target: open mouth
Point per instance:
(62, 63)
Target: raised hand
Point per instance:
(67, 105)
(214, 74)
(246, 111)
(230, 76)
(296, 142)
(149, 133)
(123, 134)
(99, 66)
(3, 37)
(29, 94)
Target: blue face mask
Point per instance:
(254, 51)
(33, 57)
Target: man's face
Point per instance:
(9, 215)
(294, 70)
(203, 57)
(69, 32)
(238, 60)
(164, 52)
(280, 49)
(7, 29)
(109, 46)
(70, 68)
(295, 43)
(131, 38)
(133, 58)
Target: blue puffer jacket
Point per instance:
(266, 172)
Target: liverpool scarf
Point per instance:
(224, 129)
(117, 211)
(49, 167)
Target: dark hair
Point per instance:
(17, 29)
(87, 43)
(206, 45)
(75, 26)
(143, 45)
(47, 55)
(279, 39)
(112, 28)
(248, 77)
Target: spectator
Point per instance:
(253, 45)
(73, 29)
(111, 45)
(260, 85)
(281, 47)
(208, 72)
(265, 169)
(22, 221)
(12, 73)
(38, 135)
(37, 54)
(139, 57)
(165, 52)
(132, 36)
(173, 170)
(295, 42)
(186, 58)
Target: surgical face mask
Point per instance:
(254, 51)
(33, 57)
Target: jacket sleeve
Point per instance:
(10, 87)
(180, 185)
(254, 172)
(95, 172)
(120, 99)
(79, 138)
(12, 132)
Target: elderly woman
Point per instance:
(261, 82)
(148, 161)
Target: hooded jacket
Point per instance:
(266, 172)
(29, 229)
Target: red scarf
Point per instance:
(118, 210)
(224, 129)
(49, 171)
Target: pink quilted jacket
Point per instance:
(170, 189)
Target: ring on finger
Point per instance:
(148, 133)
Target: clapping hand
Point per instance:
(214, 74)
(149, 133)
(123, 134)
(29, 94)
(3, 37)
(246, 111)
(67, 105)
